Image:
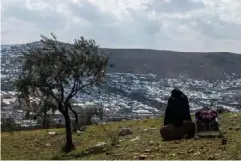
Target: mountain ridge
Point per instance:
(164, 63)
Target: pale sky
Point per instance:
(182, 25)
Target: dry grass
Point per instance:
(32, 144)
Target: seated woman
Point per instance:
(177, 119)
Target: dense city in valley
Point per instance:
(127, 95)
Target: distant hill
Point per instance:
(198, 65)
(171, 64)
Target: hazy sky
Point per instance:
(184, 25)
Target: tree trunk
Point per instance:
(69, 146)
(76, 123)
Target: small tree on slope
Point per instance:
(60, 71)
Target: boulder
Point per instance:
(97, 148)
(125, 131)
(170, 132)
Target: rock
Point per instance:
(47, 145)
(237, 128)
(191, 151)
(118, 145)
(143, 157)
(224, 141)
(156, 148)
(108, 153)
(224, 132)
(152, 128)
(197, 153)
(79, 132)
(52, 133)
(150, 143)
(99, 147)
(125, 131)
(134, 157)
(147, 151)
(135, 139)
(211, 158)
(180, 153)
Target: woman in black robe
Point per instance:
(177, 109)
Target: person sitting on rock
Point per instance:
(177, 116)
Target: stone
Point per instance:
(52, 133)
(134, 157)
(125, 131)
(118, 145)
(224, 132)
(143, 156)
(224, 141)
(191, 151)
(99, 147)
(180, 153)
(150, 143)
(47, 145)
(147, 151)
(135, 139)
(237, 128)
(211, 158)
(197, 153)
(79, 132)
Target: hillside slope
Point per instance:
(38, 145)
(171, 64)
(197, 65)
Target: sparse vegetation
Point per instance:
(38, 144)
(49, 70)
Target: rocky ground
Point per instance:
(135, 139)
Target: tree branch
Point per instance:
(78, 89)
